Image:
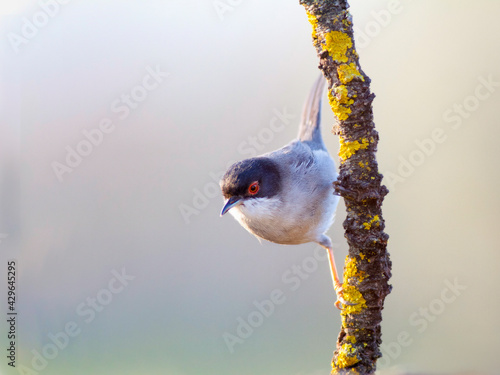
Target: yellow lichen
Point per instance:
(347, 356)
(337, 102)
(348, 149)
(343, 317)
(362, 256)
(351, 270)
(352, 294)
(337, 43)
(364, 165)
(368, 225)
(350, 339)
(342, 94)
(314, 22)
(347, 72)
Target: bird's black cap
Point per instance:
(242, 174)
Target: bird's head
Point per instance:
(249, 180)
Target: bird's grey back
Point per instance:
(310, 129)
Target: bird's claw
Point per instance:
(341, 301)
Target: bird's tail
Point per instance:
(309, 129)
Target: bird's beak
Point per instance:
(230, 203)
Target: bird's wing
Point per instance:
(298, 160)
(309, 129)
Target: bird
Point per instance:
(287, 196)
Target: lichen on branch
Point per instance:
(368, 268)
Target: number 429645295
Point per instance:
(11, 284)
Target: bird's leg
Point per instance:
(337, 285)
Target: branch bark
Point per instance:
(368, 268)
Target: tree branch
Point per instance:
(368, 268)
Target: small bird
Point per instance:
(287, 196)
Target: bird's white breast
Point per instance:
(256, 212)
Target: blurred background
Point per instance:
(118, 118)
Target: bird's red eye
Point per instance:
(253, 188)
